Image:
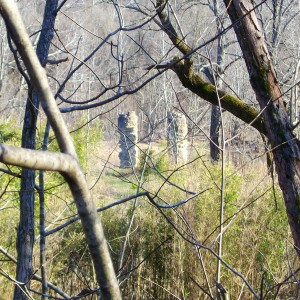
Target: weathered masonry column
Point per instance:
(128, 129)
(177, 136)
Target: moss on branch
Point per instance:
(169, 29)
(208, 92)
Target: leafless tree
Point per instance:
(66, 163)
(112, 69)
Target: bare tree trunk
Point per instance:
(215, 118)
(214, 133)
(25, 237)
(264, 82)
(42, 219)
(66, 162)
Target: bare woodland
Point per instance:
(221, 221)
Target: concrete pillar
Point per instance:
(128, 129)
(177, 136)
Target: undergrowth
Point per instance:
(170, 252)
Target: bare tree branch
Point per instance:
(86, 209)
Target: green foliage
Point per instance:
(150, 163)
(86, 137)
(9, 187)
(162, 164)
(71, 267)
(9, 132)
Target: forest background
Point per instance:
(212, 227)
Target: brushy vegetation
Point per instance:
(164, 265)
(162, 259)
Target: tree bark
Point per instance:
(25, 237)
(264, 82)
(215, 118)
(214, 133)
